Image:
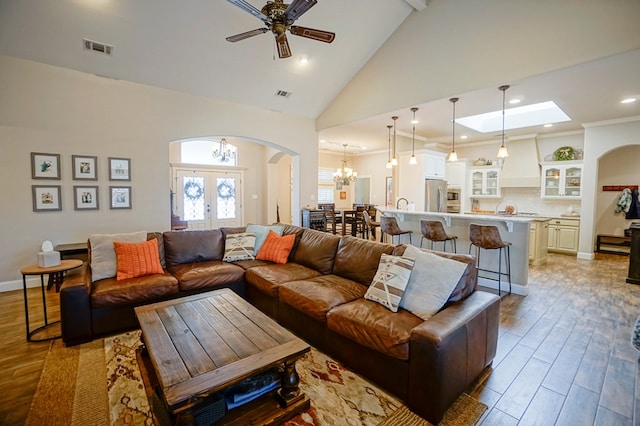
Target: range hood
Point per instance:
(521, 168)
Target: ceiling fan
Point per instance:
(278, 18)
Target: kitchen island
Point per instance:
(513, 228)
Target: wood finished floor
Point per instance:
(563, 358)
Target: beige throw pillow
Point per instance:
(103, 255)
(390, 281)
(432, 281)
(239, 246)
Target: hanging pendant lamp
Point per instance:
(502, 152)
(413, 161)
(453, 156)
(394, 160)
(389, 165)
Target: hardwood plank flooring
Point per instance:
(563, 358)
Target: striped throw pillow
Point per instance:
(390, 281)
(137, 259)
(239, 246)
(276, 248)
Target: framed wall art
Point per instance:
(46, 198)
(389, 191)
(120, 197)
(119, 168)
(45, 166)
(85, 198)
(84, 167)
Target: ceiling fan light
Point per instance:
(413, 160)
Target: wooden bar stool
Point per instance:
(433, 231)
(389, 225)
(488, 237)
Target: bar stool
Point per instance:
(433, 231)
(488, 237)
(389, 225)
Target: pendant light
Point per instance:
(502, 152)
(394, 160)
(413, 161)
(389, 165)
(453, 156)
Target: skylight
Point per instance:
(516, 118)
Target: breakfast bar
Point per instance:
(513, 228)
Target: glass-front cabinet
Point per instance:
(485, 182)
(561, 179)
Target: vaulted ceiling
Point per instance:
(388, 56)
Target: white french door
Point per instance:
(209, 199)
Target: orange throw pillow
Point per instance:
(276, 248)
(137, 259)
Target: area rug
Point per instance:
(99, 383)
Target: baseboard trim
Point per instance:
(586, 255)
(17, 284)
(519, 289)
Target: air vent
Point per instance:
(98, 47)
(283, 93)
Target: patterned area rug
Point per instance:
(72, 391)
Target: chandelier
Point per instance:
(344, 175)
(224, 154)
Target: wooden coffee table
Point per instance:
(199, 345)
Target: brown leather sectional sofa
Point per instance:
(318, 295)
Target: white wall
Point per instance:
(55, 110)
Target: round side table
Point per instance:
(59, 270)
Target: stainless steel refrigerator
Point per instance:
(435, 195)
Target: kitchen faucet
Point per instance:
(398, 203)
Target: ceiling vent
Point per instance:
(98, 47)
(283, 93)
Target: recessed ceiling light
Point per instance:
(323, 141)
(464, 137)
(303, 60)
(516, 118)
(548, 125)
(628, 101)
(514, 101)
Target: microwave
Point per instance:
(453, 195)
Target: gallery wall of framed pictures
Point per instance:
(86, 197)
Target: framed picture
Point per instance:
(389, 190)
(45, 166)
(120, 197)
(343, 195)
(84, 167)
(119, 168)
(85, 198)
(46, 198)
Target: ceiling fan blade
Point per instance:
(283, 46)
(242, 4)
(297, 8)
(247, 34)
(312, 33)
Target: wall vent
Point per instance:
(283, 93)
(98, 47)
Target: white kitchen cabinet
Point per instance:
(538, 242)
(434, 163)
(455, 174)
(485, 182)
(564, 234)
(561, 179)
